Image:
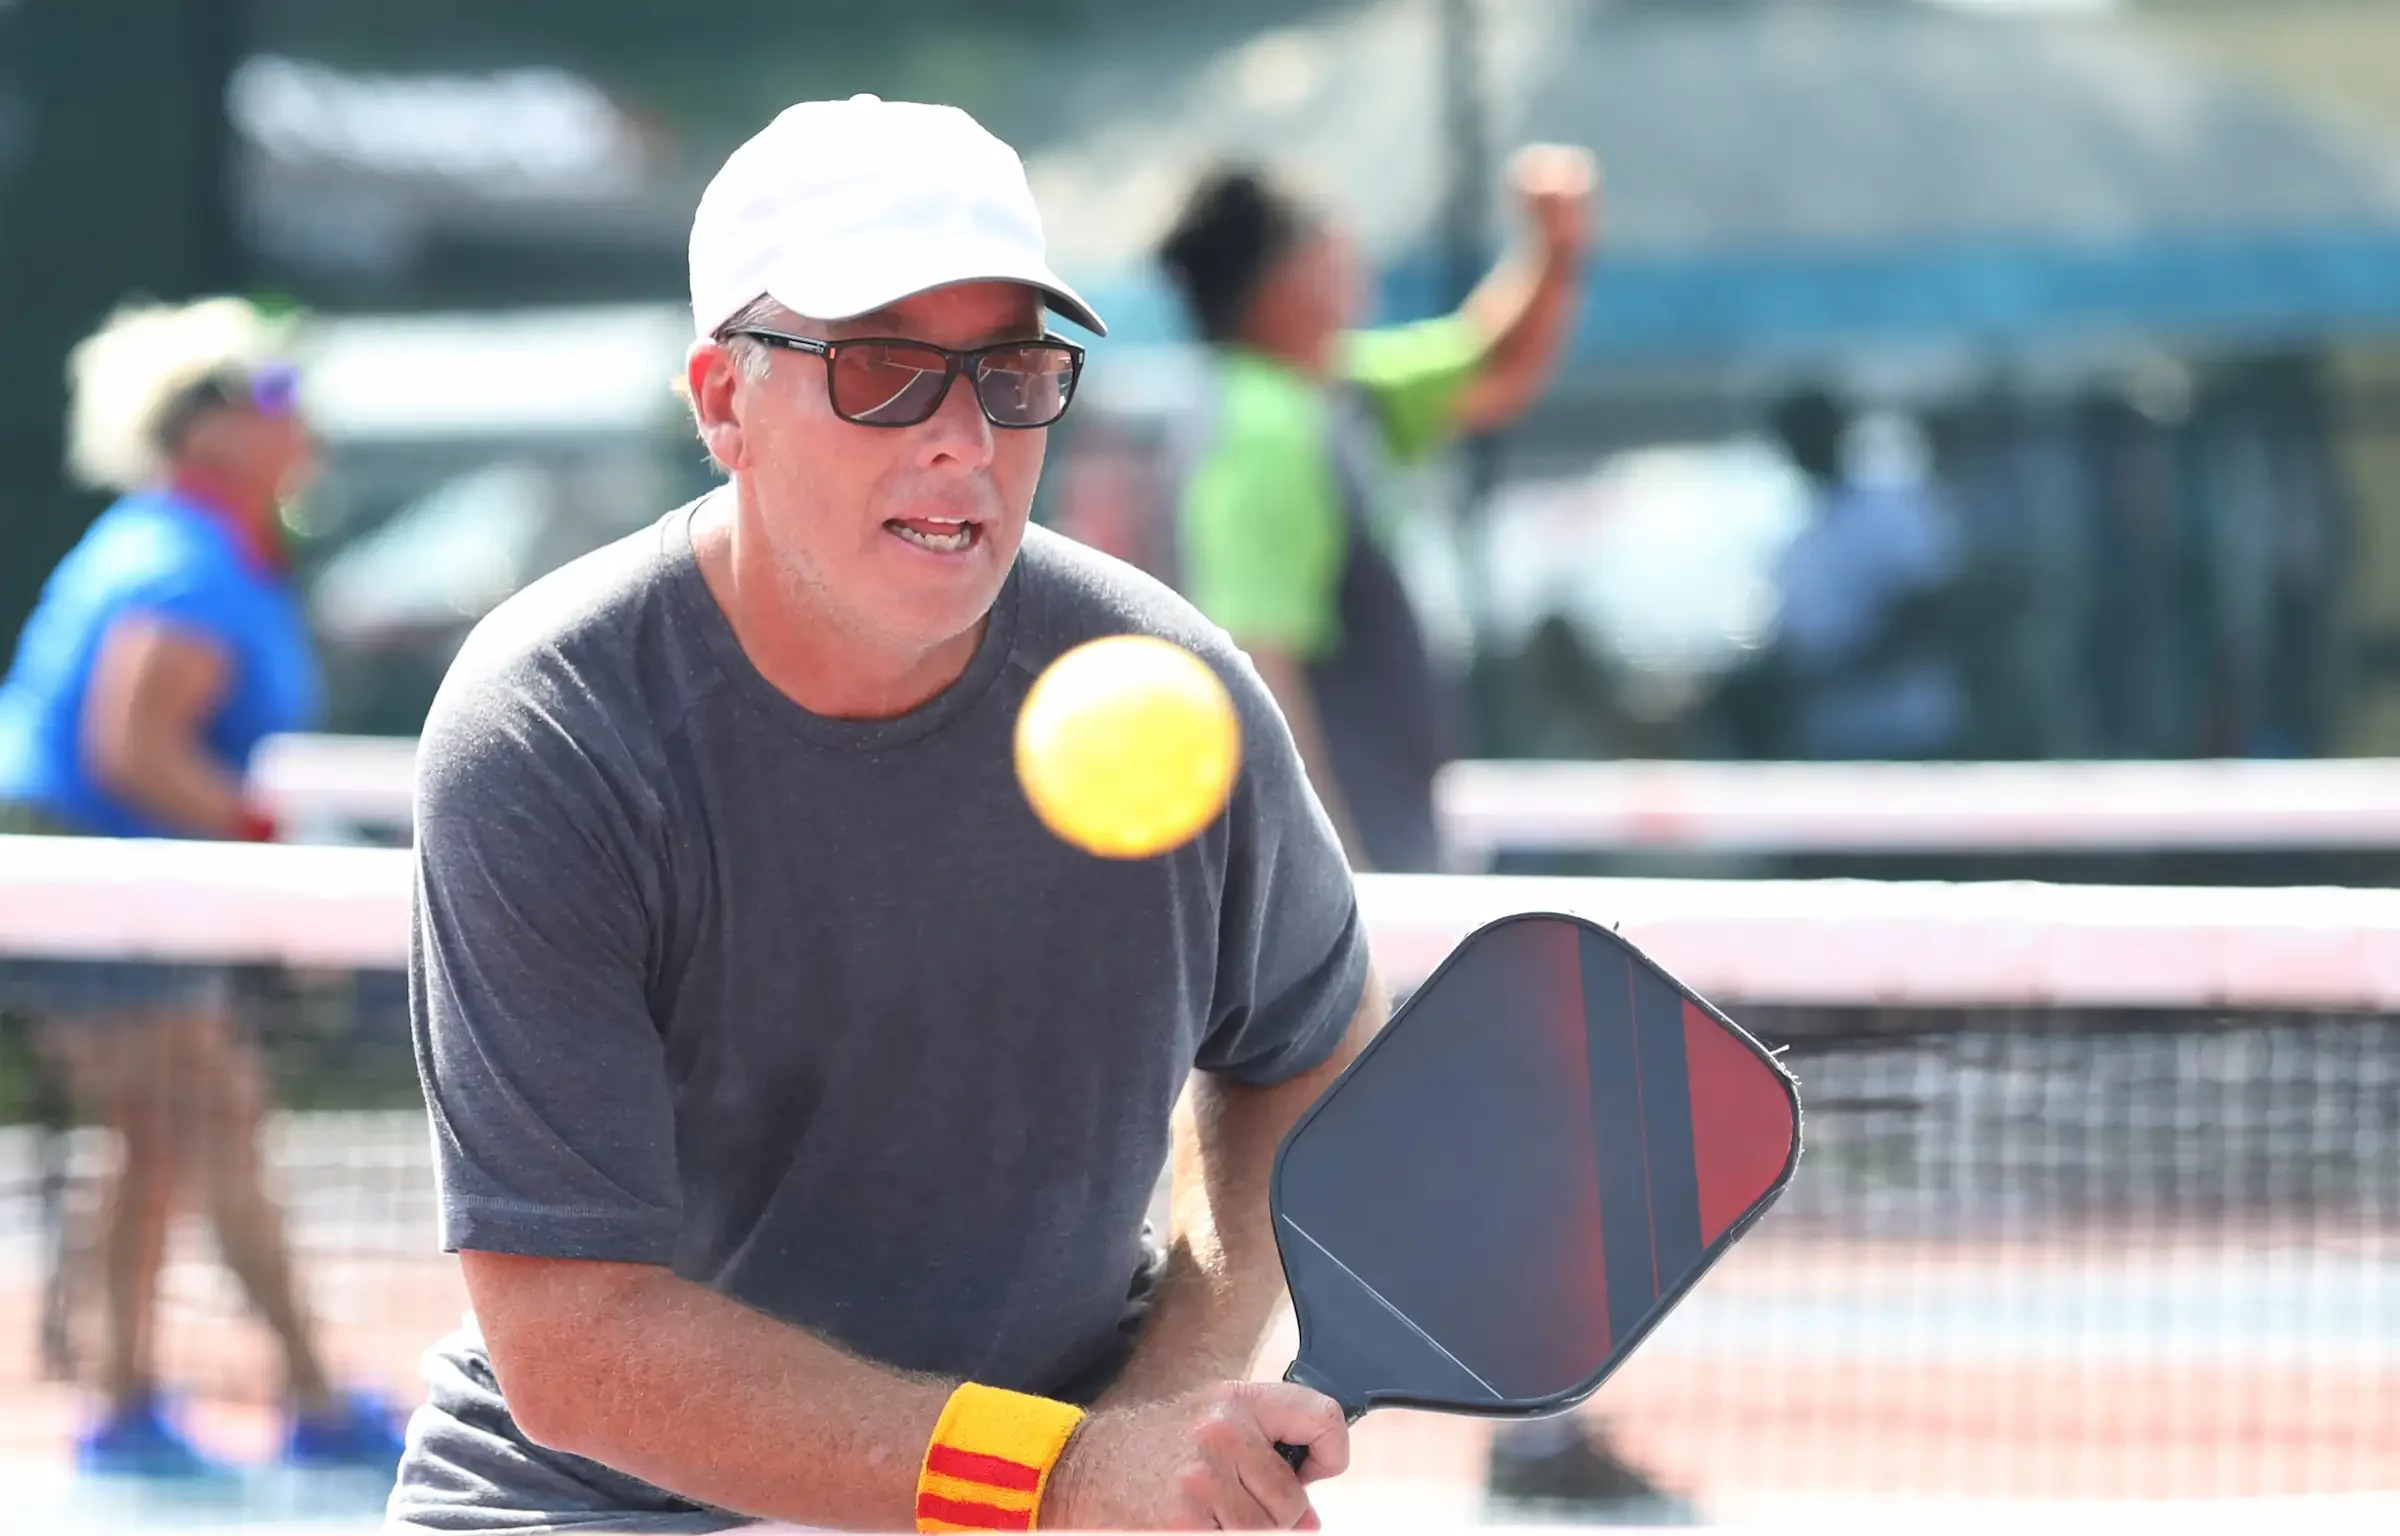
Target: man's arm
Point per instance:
(1223, 1277)
(1286, 677)
(1526, 308)
(635, 1367)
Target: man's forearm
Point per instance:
(1218, 1290)
(1223, 1276)
(671, 1382)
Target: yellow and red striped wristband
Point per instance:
(989, 1461)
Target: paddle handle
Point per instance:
(1296, 1456)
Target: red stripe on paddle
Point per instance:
(1742, 1129)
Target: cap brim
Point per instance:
(822, 298)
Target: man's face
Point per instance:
(905, 533)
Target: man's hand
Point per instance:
(1205, 1460)
(1557, 185)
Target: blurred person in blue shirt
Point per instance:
(1861, 653)
(163, 649)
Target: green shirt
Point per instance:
(1283, 543)
(1262, 526)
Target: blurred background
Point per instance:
(2112, 286)
(2121, 280)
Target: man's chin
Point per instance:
(934, 612)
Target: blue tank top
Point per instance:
(155, 554)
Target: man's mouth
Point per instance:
(936, 534)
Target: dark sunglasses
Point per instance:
(878, 381)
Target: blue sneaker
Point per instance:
(361, 1434)
(138, 1441)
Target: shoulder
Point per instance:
(1400, 355)
(1265, 460)
(1073, 593)
(570, 683)
(144, 542)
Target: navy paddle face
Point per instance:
(1537, 1158)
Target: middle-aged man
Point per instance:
(797, 1098)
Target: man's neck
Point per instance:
(827, 668)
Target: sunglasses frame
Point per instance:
(954, 363)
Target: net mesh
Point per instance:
(2035, 1250)
(2045, 1253)
(345, 1151)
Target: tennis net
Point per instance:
(2100, 1199)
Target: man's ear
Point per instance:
(710, 379)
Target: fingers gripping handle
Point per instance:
(1296, 1456)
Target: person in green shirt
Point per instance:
(1283, 520)
(1286, 510)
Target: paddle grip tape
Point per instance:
(989, 1461)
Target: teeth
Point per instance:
(959, 537)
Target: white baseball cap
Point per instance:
(838, 208)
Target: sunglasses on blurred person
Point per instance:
(271, 389)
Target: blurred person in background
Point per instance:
(1287, 510)
(163, 649)
(1863, 659)
(1284, 525)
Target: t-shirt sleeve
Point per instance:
(543, 1070)
(1414, 375)
(188, 593)
(1292, 947)
(1262, 533)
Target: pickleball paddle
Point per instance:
(1538, 1157)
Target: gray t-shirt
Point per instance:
(815, 1011)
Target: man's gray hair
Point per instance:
(749, 356)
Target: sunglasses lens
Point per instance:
(1027, 386)
(887, 384)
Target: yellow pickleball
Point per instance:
(1128, 746)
